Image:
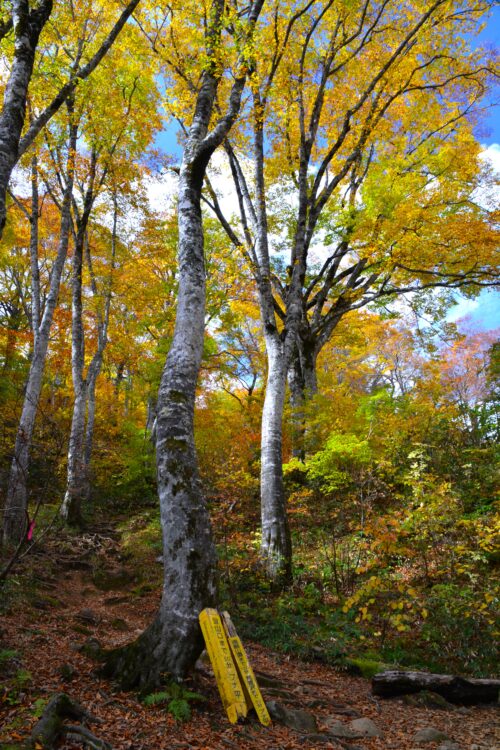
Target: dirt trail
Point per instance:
(71, 610)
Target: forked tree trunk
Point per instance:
(173, 641)
(76, 483)
(84, 386)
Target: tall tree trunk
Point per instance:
(276, 546)
(76, 483)
(308, 363)
(16, 504)
(13, 326)
(297, 388)
(27, 27)
(173, 641)
(303, 385)
(89, 429)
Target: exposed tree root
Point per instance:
(51, 727)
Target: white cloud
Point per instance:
(491, 153)
(462, 308)
(161, 191)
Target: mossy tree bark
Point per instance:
(173, 642)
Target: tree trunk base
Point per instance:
(454, 689)
(133, 666)
(158, 654)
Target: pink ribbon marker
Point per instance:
(29, 535)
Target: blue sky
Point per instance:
(484, 311)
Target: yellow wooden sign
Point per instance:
(226, 675)
(247, 676)
(236, 681)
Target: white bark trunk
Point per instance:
(76, 476)
(276, 543)
(174, 641)
(16, 505)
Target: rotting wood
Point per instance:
(454, 688)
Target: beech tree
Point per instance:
(25, 22)
(15, 519)
(83, 108)
(173, 641)
(347, 98)
(103, 170)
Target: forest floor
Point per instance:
(68, 608)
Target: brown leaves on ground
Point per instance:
(47, 638)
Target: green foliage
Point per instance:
(365, 667)
(23, 678)
(6, 655)
(179, 709)
(177, 700)
(298, 622)
(154, 699)
(461, 628)
(129, 474)
(142, 544)
(38, 707)
(332, 468)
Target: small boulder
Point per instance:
(88, 616)
(335, 728)
(449, 745)
(293, 718)
(430, 734)
(91, 648)
(366, 727)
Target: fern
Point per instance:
(177, 698)
(180, 710)
(156, 699)
(190, 696)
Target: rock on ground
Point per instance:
(293, 718)
(366, 727)
(430, 734)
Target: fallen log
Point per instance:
(51, 727)
(455, 689)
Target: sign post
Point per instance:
(235, 679)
